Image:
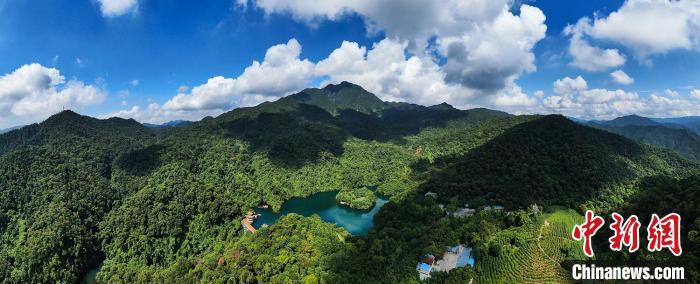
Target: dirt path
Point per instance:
(539, 246)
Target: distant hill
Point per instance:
(10, 129)
(662, 133)
(631, 120)
(168, 124)
(690, 122)
(681, 140)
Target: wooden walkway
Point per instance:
(248, 226)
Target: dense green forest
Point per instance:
(358, 198)
(554, 160)
(683, 141)
(663, 195)
(55, 190)
(677, 137)
(164, 205)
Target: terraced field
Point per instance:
(555, 236)
(536, 257)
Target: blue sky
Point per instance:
(157, 60)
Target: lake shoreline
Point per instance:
(356, 221)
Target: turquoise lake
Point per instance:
(356, 222)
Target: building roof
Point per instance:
(428, 258)
(424, 267)
(465, 258)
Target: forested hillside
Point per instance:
(672, 134)
(54, 190)
(681, 140)
(663, 195)
(214, 170)
(690, 122)
(165, 205)
(552, 160)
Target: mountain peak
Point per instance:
(66, 112)
(631, 120)
(442, 106)
(337, 97)
(335, 88)
(65, 115)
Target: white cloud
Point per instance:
(586, 56)
(281, 73)
(387, 72)
(308, 11)
(600, 96)
(384, 70)
(115, 8)
(34, 92)
(575, 99)
(493, 55)
(567, 85)
(621, 77)
(650, 26)
(695, 94)
(428, 18)
(671, 93)
(155, 113)
(539, 94)
(134, 83)
(486, 46)
(514, 97)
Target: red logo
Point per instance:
(662, 233)
(665, 233)
(625, 233)
(587, 230)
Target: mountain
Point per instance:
(681, 140)
(552, 160)
(68, 125)
(213, 171)
(168, 124)
(690, 122)
(55, 187)
(442, 106)
(163, 206)
(650, 131)
(359, 113)
(631, 120)
(343, 96)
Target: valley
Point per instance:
(165, 204)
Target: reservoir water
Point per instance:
(90, 276)
(356, 222)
